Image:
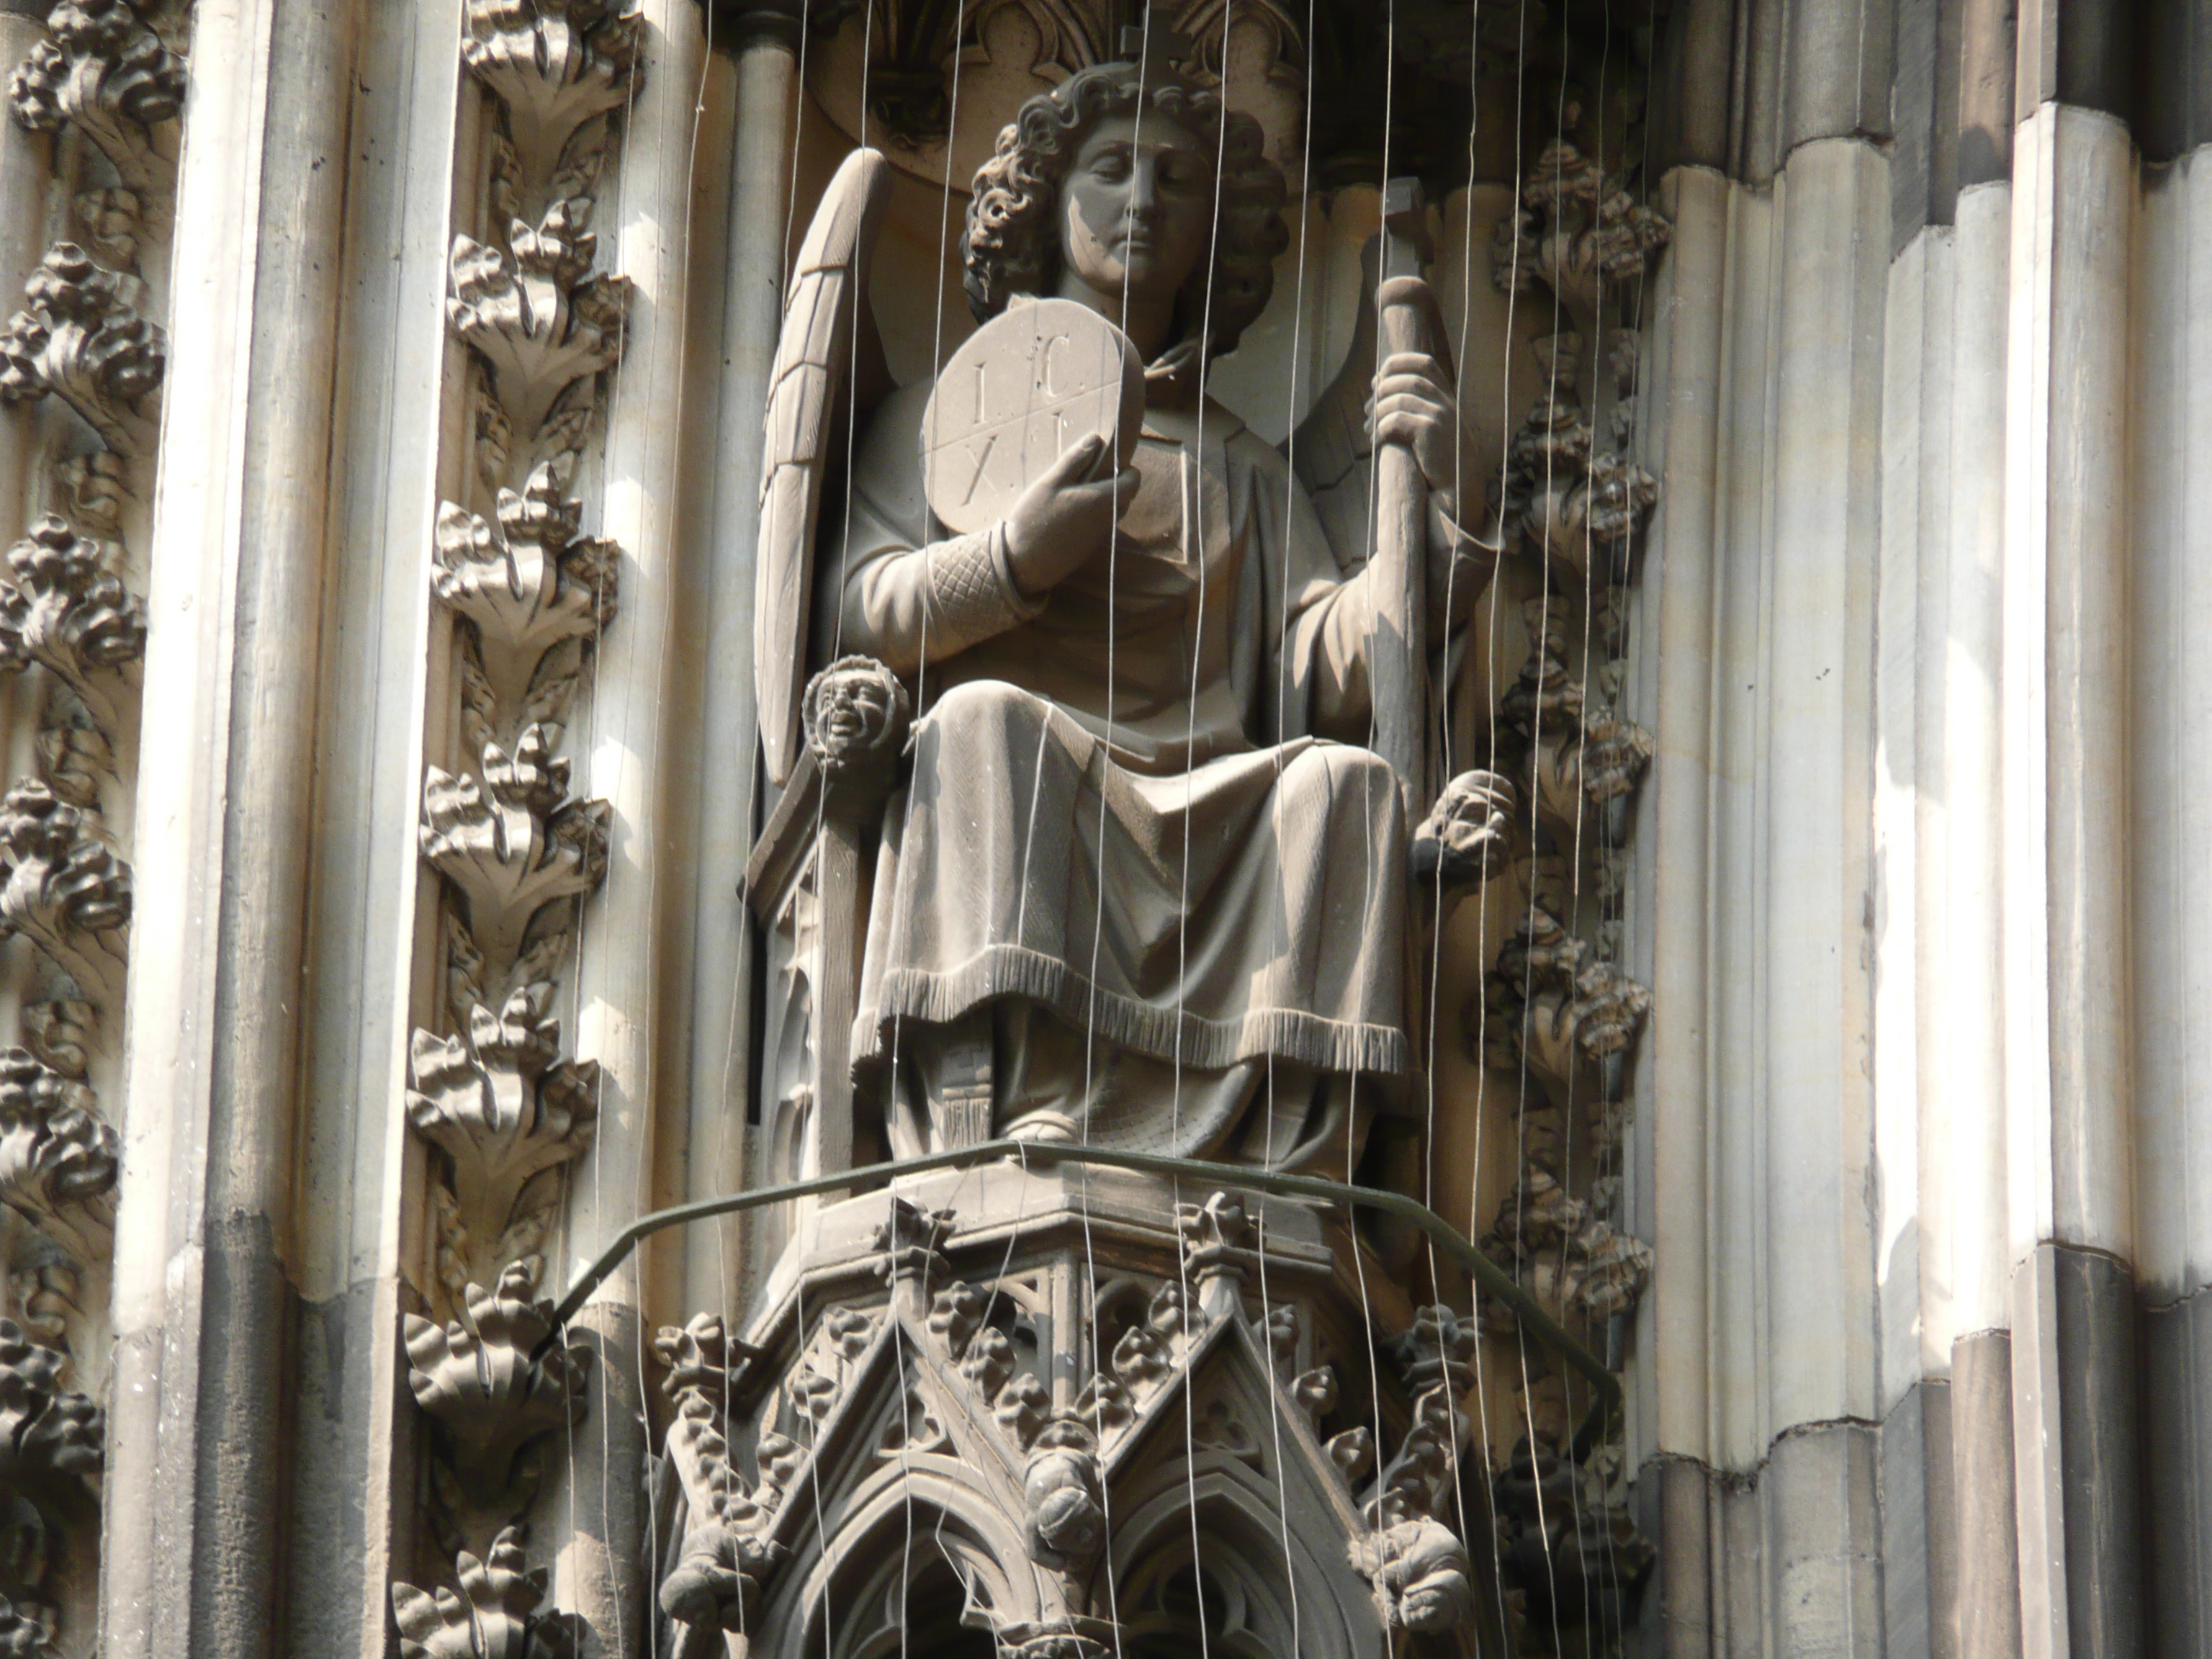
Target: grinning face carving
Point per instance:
(1135, 209)
(851, 710)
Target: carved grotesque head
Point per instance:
(1116, 180)
(1426, 1575)
(1066, 1522)
(856, 713)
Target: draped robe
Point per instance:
(1126, 847)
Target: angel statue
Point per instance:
(1142, 884)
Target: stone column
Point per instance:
(205, 1293)
(765, 46)
(2068, 1083)
(627, 1010)
(2172, 928)
(1965, 998)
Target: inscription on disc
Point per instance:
(1025, 386)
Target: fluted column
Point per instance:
(2069, 1076)
(205, 1289)
(627, 1007)
(765, 49)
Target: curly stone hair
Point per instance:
(1013, 234)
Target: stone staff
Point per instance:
(1398, 657)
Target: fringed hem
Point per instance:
(1003, 971)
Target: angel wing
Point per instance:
(823, 315)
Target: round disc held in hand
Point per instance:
(1025, 386)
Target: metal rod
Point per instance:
(1484, 1272)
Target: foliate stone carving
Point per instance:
(529, 581)
(1584, 511)
(1580, 1269)
(512, 841)
(58, 1157)
(83, 338)
(536, 318)
(1436, 1350)
(64, 889)
(495, 1615)
(727, 1554)
(553, 64)
(496, 1379)
(1216, 1238)
(1578, 230)
(1585, 760)
(1353, 1452)
(507, 1109)
(104, 70)
(1417, 1563)
(48, 1295)
(1146, 1357)
(1569, 1017)
(59, 1032)
(1566, 1545)
(27, 1630)
(63, 606)
(50, 1434)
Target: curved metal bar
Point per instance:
(1032, 1154)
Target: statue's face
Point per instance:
(853, 710)
(1136, 208)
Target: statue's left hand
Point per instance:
(1413, 404)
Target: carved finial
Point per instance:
(1216, 1236)
(908, 1240)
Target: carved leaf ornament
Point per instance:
(495, 1615)
(104, 70)
(494, 1380)
(553, 64)
(58, 1158)
(512, 842)
(529, 581)
(84, 339)
(48, 1433)
(63, 607)
(537, 321)
(64, 889)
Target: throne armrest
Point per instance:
(856, 716)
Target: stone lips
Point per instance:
(1026, 384)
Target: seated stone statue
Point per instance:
(1144, 889)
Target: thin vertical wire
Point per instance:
(1280, 736)
(1195, 636)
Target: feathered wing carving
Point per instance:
(1330, 449)
(814, 363)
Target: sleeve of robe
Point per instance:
(895, 594)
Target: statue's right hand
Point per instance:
(1065, 517)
